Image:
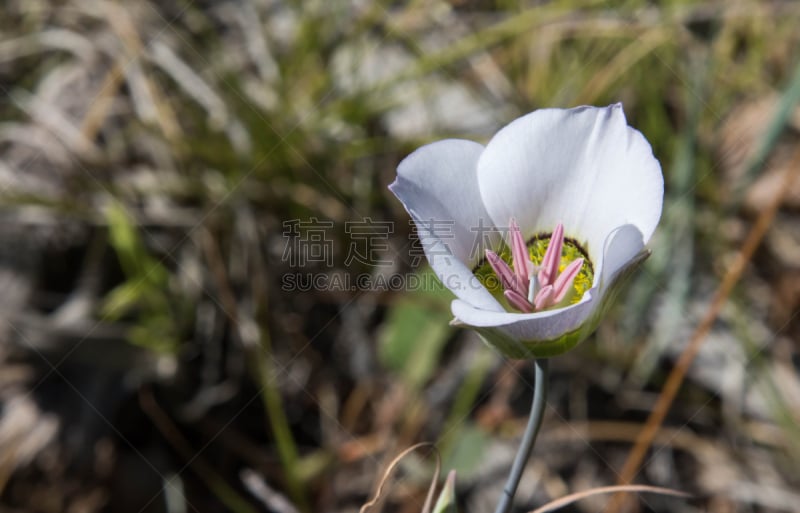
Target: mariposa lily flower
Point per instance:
(534, 232)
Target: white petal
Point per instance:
(439, 183)
(438, 186)
(546, 325)
(621, 247)
(584, 167)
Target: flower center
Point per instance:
(547, 272)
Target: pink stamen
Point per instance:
(552, 257)
(564, 281)
(501, 269)
(517, 301)
(528, 287)
(519, 254)
(544, 298)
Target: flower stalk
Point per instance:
(541, 369)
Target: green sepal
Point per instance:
(531, 349)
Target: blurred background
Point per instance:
(176, 177)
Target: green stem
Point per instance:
(529, 437)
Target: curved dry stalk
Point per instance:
(574, 497)
(431, 490)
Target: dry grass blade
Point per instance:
(101, 107)
(431, 490)
(676, 377)
(574, 497)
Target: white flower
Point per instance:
(582, 174)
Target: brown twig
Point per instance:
(676, 377)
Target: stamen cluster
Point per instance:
(530, 287)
